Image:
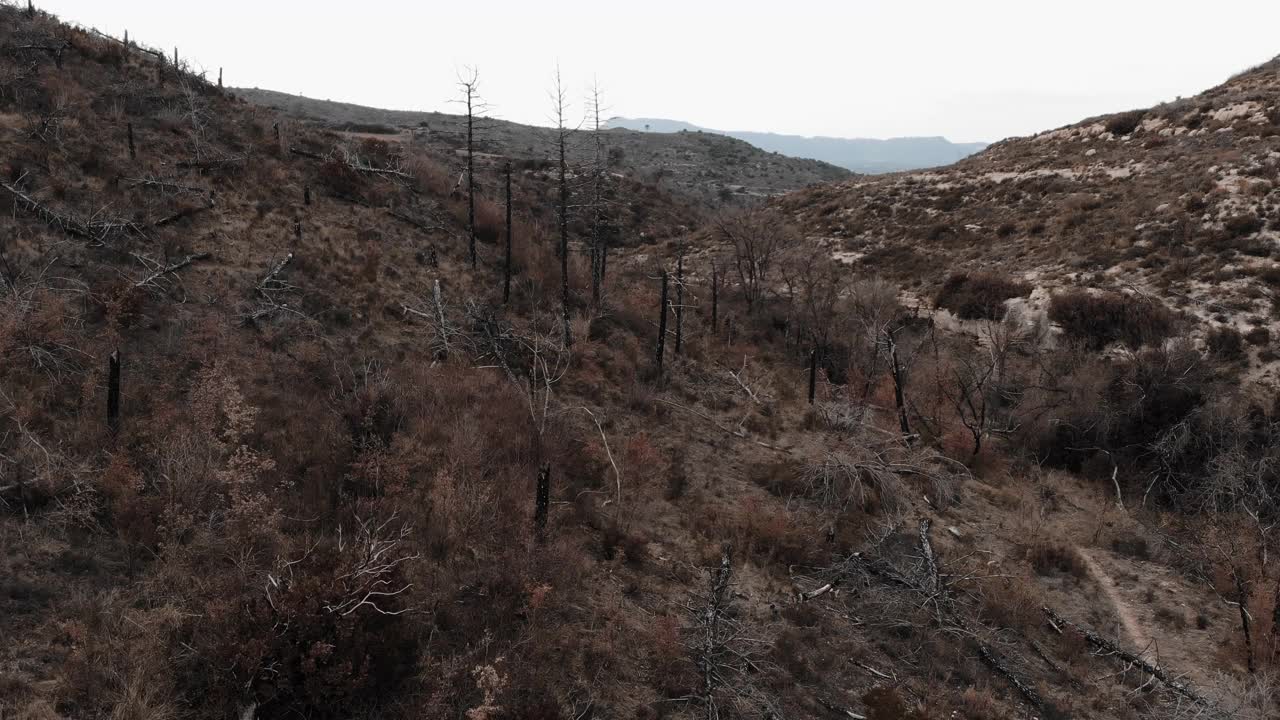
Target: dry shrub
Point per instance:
(1051, 558)
(886, 703)
(1225, 343)
(1011, 603)
(979, 296)
(1100, 319)
(1124, 123)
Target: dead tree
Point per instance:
(813, 374)
(156, 271)
(898, 373)
(219, 78)
(306, 194)
(468, 88)
(113, 392)
(601, 198)
(662, 322)
(561, 145)
(506, 264)
(542, 502)
(758, 239)
(680, 300)
(133, 150)
(715, 298)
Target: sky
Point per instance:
(976, 70)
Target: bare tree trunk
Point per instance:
(113, 392)
(541, 502)
(898, 374)
(813, 374)
(506, 265)
(1242, 601)
(680, 301)
(562, 141)
(219, 78)
(662, 322)
(715, 298)
(133, 150)
(471, 177)
(306, 194)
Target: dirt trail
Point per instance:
(1134, 632)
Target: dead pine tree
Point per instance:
(542, 502)
(31, 8)
(506, 264)
(219, 78)
(662, 322)
(469, 89)
(600, 197)
(561, 147)
(113, 392)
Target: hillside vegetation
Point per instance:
(273, 445)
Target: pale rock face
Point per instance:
(1236, 110)
(1091, 152)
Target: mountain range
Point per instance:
(860, 155)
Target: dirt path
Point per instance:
(1134, 632)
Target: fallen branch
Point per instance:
(269, 281)
(993, 661)
(210, 164)
(164, 185)
(737, 434)
(92, 231)
(161, 271)
(412, 221)
(181, 214)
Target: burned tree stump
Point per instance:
(542, 502)
(113, 392)
(306, 194)
(219, 78)
(133, 150)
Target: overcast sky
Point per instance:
(969, 70)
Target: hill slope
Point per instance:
(860, 155)
(273, 445)
(1179, 202)
(708, 169)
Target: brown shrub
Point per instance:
(979, 296)
(1124, 123)
(1226, 343)
(1099, 319)
(1050, 558)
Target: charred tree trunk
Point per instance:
(31, 8)
(113, 392)
(471, 181)
(564, 243)
(662, 323)
(680, 302)
(506, 265)
(541, 502)
(133, 149)
(813, 374)
(1242, 601)
(219, 78)
(306, 194)
(715, 299)
(898, 373)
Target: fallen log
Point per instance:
(1102, 643)
(181, 214)
(92, 231)
(210, 164)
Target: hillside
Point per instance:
(860, 155)
(275, 443)
(709, 170)
(1179, 202)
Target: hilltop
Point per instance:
(273, 443)
(709, 170)
(860, 155)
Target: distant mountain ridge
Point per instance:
(861, 155)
